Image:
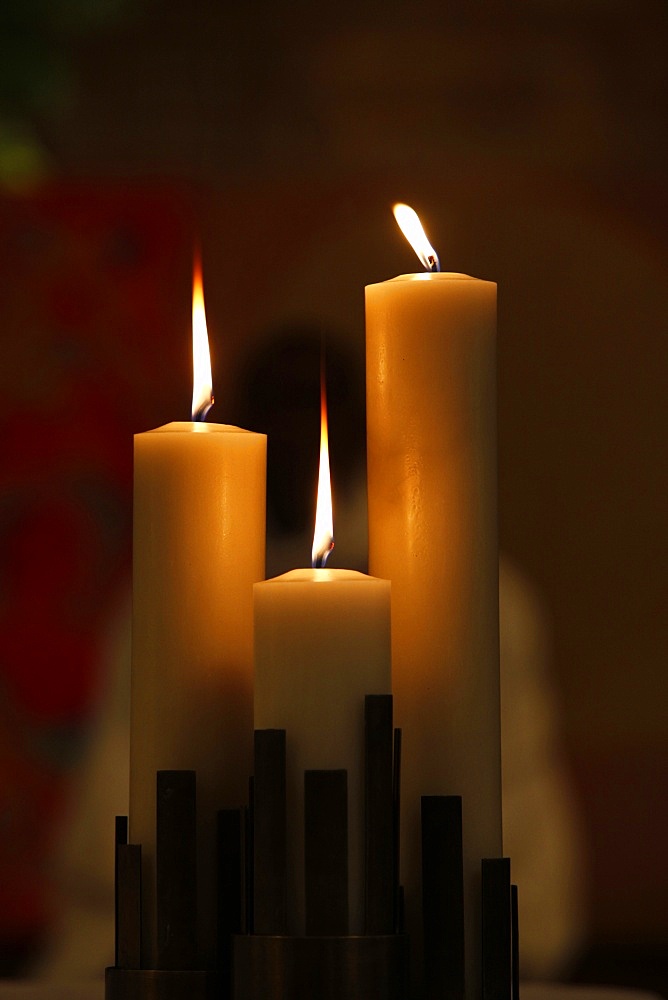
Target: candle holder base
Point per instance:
(162, 984)
(272, 967)
(255, 957)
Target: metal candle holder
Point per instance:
(257, 959)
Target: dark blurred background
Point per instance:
(532, 138)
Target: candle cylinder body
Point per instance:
(322, 642)
(431, 419)
(199, 546)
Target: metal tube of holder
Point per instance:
(248, 858)
(128, 906)
(496, 933)
(176, 870)
(443, 897)
(379, 889)
(398, 923)
(326, 852)
(269, 834)
(230, 888)
(120, 837)
(515, 932)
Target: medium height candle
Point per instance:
(431, 417)
(199, 546)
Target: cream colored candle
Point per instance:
(431, 418)
(322, 642)
(199, 546)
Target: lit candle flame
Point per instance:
(202, 382)
(411, 227)
(323, 536)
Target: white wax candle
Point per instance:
(431, 418)
(199, 544)
(322, 642)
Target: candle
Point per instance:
(199, 539)
(431, 418)
(322, 642)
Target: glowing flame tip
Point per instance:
(410, 225)
(323, 536)
(202, 381)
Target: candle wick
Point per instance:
(433, 262)
(199, 416)
(319, 561)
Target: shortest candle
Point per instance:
(322, 642)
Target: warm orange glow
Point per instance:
(202, 382)
(323, 536)
(411, 227)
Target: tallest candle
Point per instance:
(199, 538)
(431, 417)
